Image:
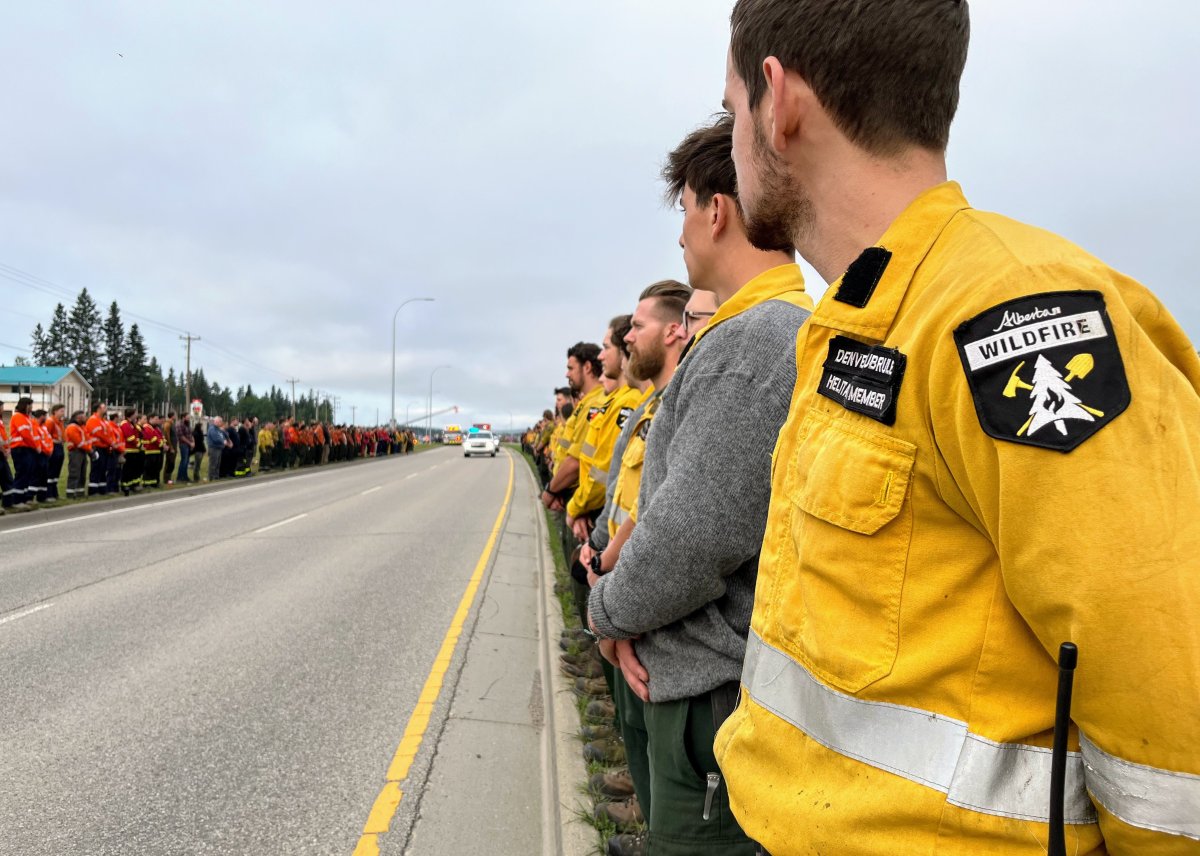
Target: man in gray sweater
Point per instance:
(680, 597)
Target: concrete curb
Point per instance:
(563, 770)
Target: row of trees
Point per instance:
(121, 371)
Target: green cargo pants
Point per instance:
(689, 804)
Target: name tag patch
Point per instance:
(1044, 370)
(863, 378)
(623, 416)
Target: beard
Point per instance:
(646, 363)
(782, 211)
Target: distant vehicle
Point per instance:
(452, 435)
(479, 443)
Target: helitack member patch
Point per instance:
(863, 378)
(1044, 370)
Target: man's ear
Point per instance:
(787, 100)
(719, 211)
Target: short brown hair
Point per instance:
(620, 327)
(703, 162)
(887, 73)
(671, 295)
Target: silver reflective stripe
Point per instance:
(1006, 779)
(589, 449)
(598, 475)
(620, 515)
(1162, 800)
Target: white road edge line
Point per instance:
(371, 490)
(281, 523)
(25, 613)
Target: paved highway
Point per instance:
(228, 672)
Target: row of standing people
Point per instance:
(107, 454)
(830, 569)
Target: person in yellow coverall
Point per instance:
(594, 464)
(993, 447)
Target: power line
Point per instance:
(45, 286)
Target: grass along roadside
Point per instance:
(603, 827)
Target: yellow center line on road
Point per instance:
(389, 798)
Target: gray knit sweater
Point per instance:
(685, 578)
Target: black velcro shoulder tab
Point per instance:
(864, 273)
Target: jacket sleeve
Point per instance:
(1100, 546)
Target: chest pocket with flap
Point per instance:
(851, 524)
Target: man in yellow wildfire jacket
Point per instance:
(992, 448)
(602, 433)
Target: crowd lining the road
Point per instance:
(127, 452)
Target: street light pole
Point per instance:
(396, 315)
(429, 414)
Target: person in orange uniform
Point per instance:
(7, 493)
(95, 431)
(78, 450)
(45, 449)
(23, 446)
(991, 449)
(131, 440)
(54, 424)
(152, 450)
(119, 448)
(291, 438)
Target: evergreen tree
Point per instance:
(82, 335)
(56, 339)
(158, 387)
(37, 343)
(174, 390)
(136, 375)
(110, 384)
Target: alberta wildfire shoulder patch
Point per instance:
(1045, 369)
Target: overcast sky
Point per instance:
(276, 177)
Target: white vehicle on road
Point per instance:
(479, 443)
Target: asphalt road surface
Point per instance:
(228, 672)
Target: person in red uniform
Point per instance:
(131, 469)
(152, 450)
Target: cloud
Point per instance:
(278, 177)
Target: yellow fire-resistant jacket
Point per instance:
(598, 444)
(993, 447)
(629, 478)
(570, 441)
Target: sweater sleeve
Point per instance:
(707, 517)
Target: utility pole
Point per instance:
(293, 381)
(187, 375)
(352, 412)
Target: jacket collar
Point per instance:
(768, 285)
(908, 239)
